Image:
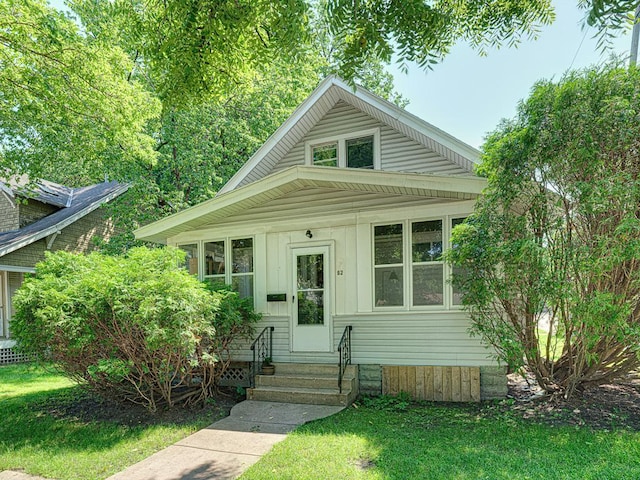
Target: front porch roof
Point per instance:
(299, 177)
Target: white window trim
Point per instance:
(228, 258)
(407, 265)
(342, 152)
(228, 275)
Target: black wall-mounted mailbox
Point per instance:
(276, 297)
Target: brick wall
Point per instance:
(32, 211)
(8, 215)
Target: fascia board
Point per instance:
(308, 176)
(223, 200)
(278, 135)
(387, 108)
(419, 181)
(14, 268)
(414, 122)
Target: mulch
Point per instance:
(605, 407)
(87, 407)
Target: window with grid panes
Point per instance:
(231, 262)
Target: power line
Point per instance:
(579, 47)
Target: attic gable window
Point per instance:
(326, 155)
(355, 150)
(360, 152)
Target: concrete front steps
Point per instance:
(314, 384)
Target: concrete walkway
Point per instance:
(228, 447)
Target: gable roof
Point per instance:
(81, 202)
(299, 177)
(323, 98)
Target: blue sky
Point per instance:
(467, 95)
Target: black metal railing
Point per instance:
(344, 354)
(262, 347)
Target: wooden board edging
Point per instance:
(439, 384)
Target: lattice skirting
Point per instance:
(237, 375)
(9, 355)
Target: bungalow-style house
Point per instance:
(336, 228)
(41, 217)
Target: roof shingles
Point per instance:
(80, 202)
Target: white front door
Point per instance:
(311, 329)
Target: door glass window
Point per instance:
(310, 291)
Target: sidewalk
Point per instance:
(228, 447)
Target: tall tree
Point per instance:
(65, 100)
(551, 254)
(202, 142)
(206, 47)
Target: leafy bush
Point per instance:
(136, 327)
(555, 239)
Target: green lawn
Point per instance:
(381, 439)
(447, 442)
(34, 440)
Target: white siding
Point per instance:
(396, 337)
(427, 338)
(398, 153)
(316, 202)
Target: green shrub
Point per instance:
(136, 327)
(555, 237)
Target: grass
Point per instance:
(379, 441)
(66, 448)
(557, 343)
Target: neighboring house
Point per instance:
(41, 217)
(339, 220)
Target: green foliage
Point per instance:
(137, 328)
(610, 17)
(556, 237)
(423, 32)
(65, 100)
(82, 102)
(203, 139)
(196, 48)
